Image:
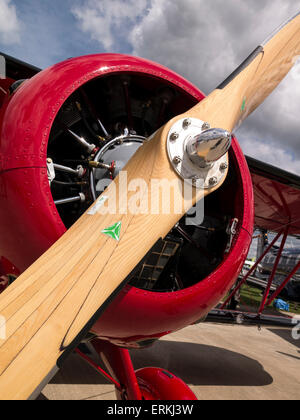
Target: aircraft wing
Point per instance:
(17, 69)
(276, 197)
(277, 192)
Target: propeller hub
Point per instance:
(198, 153)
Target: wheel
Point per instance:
(159, 384)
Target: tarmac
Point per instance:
(218, 362)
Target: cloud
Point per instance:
(48, 32)
(201, 40)
(270, 153)
(205, 41)
(109, 21)
(276, 126)
(9, 23)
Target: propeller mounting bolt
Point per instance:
(206, 126)
(223, 166)
(186, 123)
(213, 181)
(177, 160)
(194, 180)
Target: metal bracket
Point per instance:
(231, 232)
(50, 170)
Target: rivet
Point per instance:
(174, 136)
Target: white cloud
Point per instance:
(270, 153)
(105, 21)
(9, 23)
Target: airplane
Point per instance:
(66, 131)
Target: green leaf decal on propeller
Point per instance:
(113, 231)
(244, 104)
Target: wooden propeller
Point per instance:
(52, 305)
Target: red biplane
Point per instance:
(68, 128)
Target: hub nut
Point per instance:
(213, 181)
(174, 136)
(206, 126)
(195, 180)
(186, 123)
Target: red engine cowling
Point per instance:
(114, 102)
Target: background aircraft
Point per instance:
(290, 256)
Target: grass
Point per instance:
(251, 297)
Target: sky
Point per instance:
(203, 40)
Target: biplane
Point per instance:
(71, 275)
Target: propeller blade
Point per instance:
(55, 302)
(249, 85)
